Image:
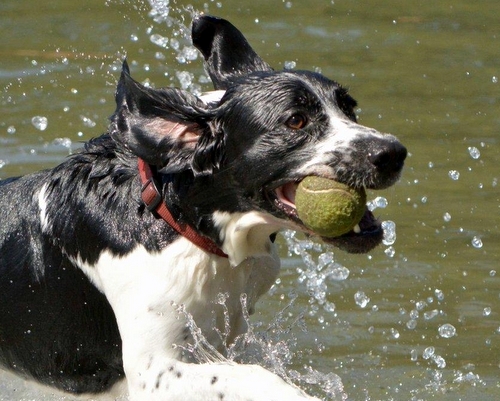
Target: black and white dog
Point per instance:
(177, 203)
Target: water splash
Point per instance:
(178, 20)
(317, 273)
(272, 346)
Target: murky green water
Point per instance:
(425, 71)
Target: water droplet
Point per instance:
(411, 324)
(329, 306)
(476, 242)
(324, 259)
(40, 122)
(159, 40)
(290, 65)
(175, 44)
(447, 217)
(487, 311)
(439, 294)
(428, 352)
(474, 152)
(420, 305)
(454, 175)
(447, 330)
(160, 56)
(389, 228)
(413, 355)
(395, 334)
(494, 79)
(361, 299)
(337, 272)
(221, 298)
(390, 252)
(188, 53)
(378, 202)
(440, 361)
(185, 78)
(64, 142)
(88, 122)
(431, 314)
(11, 130)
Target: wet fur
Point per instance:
(91, 280)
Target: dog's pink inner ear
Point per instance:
(179, 132)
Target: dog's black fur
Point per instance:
(56, 326)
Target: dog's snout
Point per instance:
(389, 157)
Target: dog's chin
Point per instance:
(366, 236)
(369, 235)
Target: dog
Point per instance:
(179, 202)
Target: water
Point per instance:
(425, 71)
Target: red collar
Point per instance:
(152, 198)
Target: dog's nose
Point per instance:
(389, 157)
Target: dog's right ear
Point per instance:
(226, 52)
(161, 126)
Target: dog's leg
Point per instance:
(141, 288)
(167, 379)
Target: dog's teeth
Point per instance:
(356, 229)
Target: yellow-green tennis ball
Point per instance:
(328, 207)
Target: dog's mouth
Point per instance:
(367, 234)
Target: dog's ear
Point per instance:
(161, 126)
(210, 151)
(226, 52)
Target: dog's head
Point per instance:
(245, 148)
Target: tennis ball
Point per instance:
(328, 207)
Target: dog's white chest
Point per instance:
(146, 290)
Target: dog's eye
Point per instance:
(297, 121)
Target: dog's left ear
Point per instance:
(226, 52)
(161, 126)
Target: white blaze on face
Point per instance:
(341, 138)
